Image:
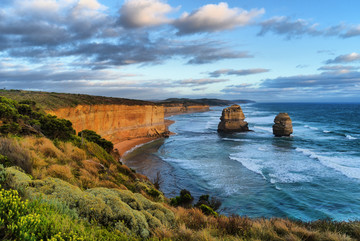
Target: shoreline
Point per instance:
(128, 146)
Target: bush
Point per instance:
(55, 128)
(207, 210)
(15, 154)
(213, 203)
(94, 137)
(185, 199)
(23, 119)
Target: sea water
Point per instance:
(314, 174)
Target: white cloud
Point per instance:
(212, 18)
(144, 13)
(346, 58)
(240, 72)
(205, 81)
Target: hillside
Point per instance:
(53, 101)
(56, 185)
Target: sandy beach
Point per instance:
(127, 145)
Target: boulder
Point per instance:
(232, 120)
(283, 125)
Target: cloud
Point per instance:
(329, 78)
(208, 18)
(286, 26)
(342, 68)
(282, 25)
(198, 82)
(326, 86)
(241, 72)
(346, 58)
(352, 32)
(44, 23)
(144, 13)
(213, 18)
(141, 49)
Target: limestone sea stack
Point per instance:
(283, 125)
(232, 120)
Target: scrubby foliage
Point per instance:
(184, 200)
(24, 119)
(38, 220)
(127, 212)
(94, 137)
(208, 207)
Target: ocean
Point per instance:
(314, 174)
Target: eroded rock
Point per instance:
(283, 125)
(232, 120)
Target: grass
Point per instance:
(53, 101)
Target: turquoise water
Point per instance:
(314, 174)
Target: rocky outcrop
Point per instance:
(283, 125)
(176, 109)
(116, 122)
(232, 120)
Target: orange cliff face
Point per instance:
(116, 122)
(176, 109)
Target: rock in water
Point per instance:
(232, 120)
(283, 125)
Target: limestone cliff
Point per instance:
(116, 122)
(176, 109)
(232, 120)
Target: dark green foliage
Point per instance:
(23, 118)
(96, 138)
(154, 193)
(55, 128)
(213, 203)
(185, 199)
(207, 210)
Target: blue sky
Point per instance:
(280, 50)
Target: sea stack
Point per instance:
(283, 125)
(232, 120)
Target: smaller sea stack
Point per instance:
(232, 120)
(283, 125)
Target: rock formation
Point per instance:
(117, 123)
(283, 125)
(232, 120)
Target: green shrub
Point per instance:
(94, 137)
(185, 199)
(55, 128)
(207, 210)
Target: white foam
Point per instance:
(261, 120)
(238, 140)
(268, 129)
(326, 131)
(346, 165)
(350, 137)
(249, 163)
(311, 128)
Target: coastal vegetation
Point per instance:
(56, 185)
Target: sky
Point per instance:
(267, 51)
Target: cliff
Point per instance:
(176, 109)
(116, 122)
